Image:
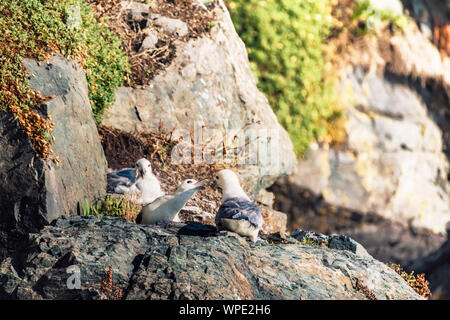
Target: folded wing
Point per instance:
(120, 181)
(240, 209)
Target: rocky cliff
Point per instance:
(44, 247)
(393, 160)
(179, 261)
(387, 183)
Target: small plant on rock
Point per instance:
(108, 289)
(124, 207)
(417, 282)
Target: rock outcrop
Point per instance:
(387, 185)
(34, 192)
(394, 161)
(209, 94)
(178, 261)
(387, 240)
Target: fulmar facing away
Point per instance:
(237, 213)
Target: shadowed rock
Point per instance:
(34, 192)
(187, 261)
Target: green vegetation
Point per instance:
(37, 28)
(286, 43)
(369, 17)
(106, 63)
(313, 243)
(121, 207)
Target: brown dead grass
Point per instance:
(417, 282)
(147, 64)
(360, 286)
(108, 290)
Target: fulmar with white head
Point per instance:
(166, 208)
(140, 183)
(237, 213)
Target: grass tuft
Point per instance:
(124, 207)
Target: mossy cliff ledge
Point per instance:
(33, 191)
(191, 261)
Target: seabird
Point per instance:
(140, 183)
(237, 212)
(166, 208)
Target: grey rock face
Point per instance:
(137, 9)
(338, 242)
(177, 261)
(170, 26)
(34, 192)
(393, 162)
(384, 239)
(150, 41)
(209, 85)
(387, 186)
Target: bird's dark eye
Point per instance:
(189, 181)
(149, 165)
(217, 177)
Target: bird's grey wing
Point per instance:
(128, 173)
(238, 209)
(119, 181)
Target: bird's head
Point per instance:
(228, 182)
(143, 167)
(226, 178)
(190, 184)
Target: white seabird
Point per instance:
(139, 183)
(166, 208)
(237, 213)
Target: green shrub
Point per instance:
(286, 44)
(36, 28)
(106, 63)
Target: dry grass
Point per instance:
(115, 206)
(360, 286)
(417, 282)
(108, 290)
(145, 65)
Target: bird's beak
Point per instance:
(136, 173)
(200, 184)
